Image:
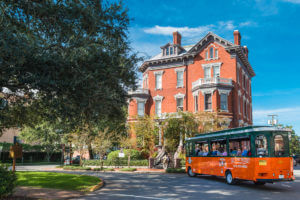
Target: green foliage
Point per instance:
(45, 134)
(185, 124)
(70, 167)
(60, 65)
(146, 130)
(7, 181)
(26, 147)
(57, 180)
(175, 170)
(294, 142)
(127, 169)
(115, 162)
(135, 154)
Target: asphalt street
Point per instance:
(180, 186)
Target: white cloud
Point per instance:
(247, 24)
(286, 116)
(191, 32)
(185, 31)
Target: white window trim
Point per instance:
(159, 73)
(143, 102)
(179, 95)
(207, 50)
(182, 69)
(226, 93)
(158, 98)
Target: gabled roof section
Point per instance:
(210, 36)
(191, 51)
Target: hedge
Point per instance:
(127, 169)
(175, 170)
(117, 162)
(135, 154)
(8, 181)
(76, 168)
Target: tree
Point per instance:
(101, 144)
(185, 124)
(146, 130)
(45, 134)
(128, 143)
(294, 142)
(71, 58)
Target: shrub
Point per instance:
(175, 170)
(128, 169)
(114, 163)
(76, 168)
(8, 181)
(135, 155)
(104, 169)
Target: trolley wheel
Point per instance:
(229, 179)
(191, 173)
(259, 182)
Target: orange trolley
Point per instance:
(255, 153)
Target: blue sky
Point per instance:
(270, 29)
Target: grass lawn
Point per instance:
(56, 180)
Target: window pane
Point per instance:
(239, 147)
(206, 72)
(171, 50)
(261, 145)
(216, 53)
(224, 102)
(179, 79)
(167, 51)
(211, 51)
(216, 71)
(207, 101)
(158, 78)
(140, 108)
(218, 148)
(279, 145)
(201, 148)
(206, 54)
(179, 102)
(196, 103)
(158, 108)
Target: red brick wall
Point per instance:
(192, 73)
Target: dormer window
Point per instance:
(171, 50)
(167, 51)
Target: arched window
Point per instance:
(211, 52)
(261, 144)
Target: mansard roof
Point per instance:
(191, 51)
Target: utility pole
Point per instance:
(273, 121)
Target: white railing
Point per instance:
(138, 91)
(213, 80)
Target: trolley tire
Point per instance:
(229, 179)
(190, 173)
(259, 182)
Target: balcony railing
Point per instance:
(139, 91)
(213, 80)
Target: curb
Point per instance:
(98, 186)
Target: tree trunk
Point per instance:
(128, 161)
(90, 152)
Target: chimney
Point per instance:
(237, 37)
(176, 38)
(246, 51)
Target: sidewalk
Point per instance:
(45, 193)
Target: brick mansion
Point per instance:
(213, 75)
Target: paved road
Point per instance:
(180, 186)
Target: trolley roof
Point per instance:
(239, 130)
